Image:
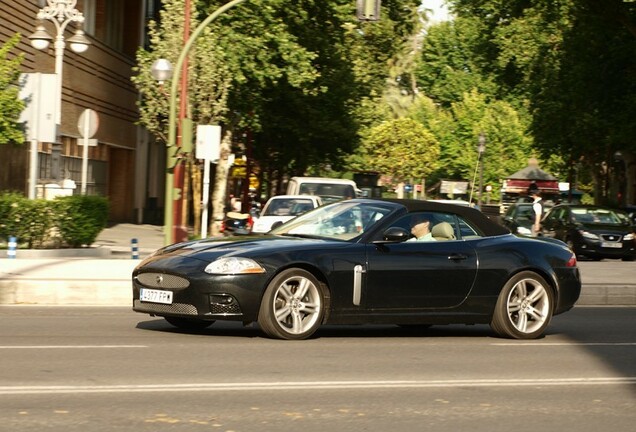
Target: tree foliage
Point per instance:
(286, 75)
(402, 147)
(10, 105)
(574, 62)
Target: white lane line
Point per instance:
(536, 344)
(315, 385)
(69, 346)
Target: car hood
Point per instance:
(244, 246)
(604, 228)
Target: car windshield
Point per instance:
(343, 220)
(287, 207)
(329, 192)
(599, 216)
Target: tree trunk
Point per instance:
(197, 178)
(220, 185)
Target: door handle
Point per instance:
(457, 257)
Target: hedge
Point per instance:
(71, 221)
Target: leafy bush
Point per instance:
(72, 221)
(81, 218)
(29, 220)
(8, 202)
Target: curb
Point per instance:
(90, 281)
(595, 294)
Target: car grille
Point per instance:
(175, 308)
(162, 280)
(220, 309)
(611, 237)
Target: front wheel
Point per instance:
(524, 308)
(292, 306)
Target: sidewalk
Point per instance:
(100, 275)
(104, 278)
(119, 238)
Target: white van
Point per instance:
(329, 189)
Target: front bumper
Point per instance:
(595, 249)
(196, 294)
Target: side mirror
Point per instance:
(394, 235)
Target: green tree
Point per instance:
(235, 56)
(288, 75)
(306, 131)
(401, 147)
(573, 61)
(452, 62)
(10, 105)
(508, 147)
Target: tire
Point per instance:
(188, 323)
(293, 305)
(524, 307)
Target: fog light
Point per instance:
(221, 299)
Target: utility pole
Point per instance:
(481, 149)
(179, 230)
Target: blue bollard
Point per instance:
(13, 244)
(135, 248)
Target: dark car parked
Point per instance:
(631, 212)
(595, 232)
(355, 262)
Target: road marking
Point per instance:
(69, 346)
(315, 385)
(536, 344)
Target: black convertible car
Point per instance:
(355, 262)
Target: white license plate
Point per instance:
(155, 296)
(611, 245)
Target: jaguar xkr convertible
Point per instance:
(356, 262)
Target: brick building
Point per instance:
(126, 164)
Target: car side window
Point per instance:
(443, 226)
(466, 230)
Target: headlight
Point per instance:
(589, 235)
(234, 265)
(629, 236)
(523, 231)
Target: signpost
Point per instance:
(208, 148)
(87, 124)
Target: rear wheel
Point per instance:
(292, 306)
(188, 323)
(524, 308)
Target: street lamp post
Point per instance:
(61, 13)
(481, 148)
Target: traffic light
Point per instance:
(368, 10)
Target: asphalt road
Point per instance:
(109, 369)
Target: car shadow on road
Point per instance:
(233, 329)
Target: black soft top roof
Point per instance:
(480, 220)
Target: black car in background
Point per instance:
(595, 232)
(631, 212)
(355, 262)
